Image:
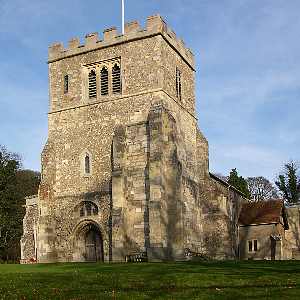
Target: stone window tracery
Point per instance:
(87, 209)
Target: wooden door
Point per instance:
(90, 246)
(93, 246)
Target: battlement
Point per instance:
(155, 25)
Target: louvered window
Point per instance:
(92, 84)
(178, 84)
(116, 79)
(104, 81)
(66, 84)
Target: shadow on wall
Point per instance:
(165, 159)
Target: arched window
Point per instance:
(104, 81)
(92, 84)
(88, 208)
(178, 84)
(87, 164)
(116, 79)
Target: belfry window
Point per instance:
(92, 84)
(66, 84)
(104, 81)
(87, 164)
(116, 79)
(178, 84)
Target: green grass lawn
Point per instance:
(201, 280)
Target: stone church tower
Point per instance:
(125, 168)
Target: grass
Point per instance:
(201, 280)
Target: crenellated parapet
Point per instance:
(155, 25)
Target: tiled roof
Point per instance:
(262, 212)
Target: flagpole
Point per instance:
(123, 17)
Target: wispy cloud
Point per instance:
(248, 70)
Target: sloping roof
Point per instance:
(263, 212)
(225, 183)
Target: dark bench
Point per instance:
(137, 257)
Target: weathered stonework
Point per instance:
(149, 189)
(293, 234)
(29, 238)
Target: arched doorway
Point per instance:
(93, 244)
(89, 243)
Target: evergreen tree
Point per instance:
(289, 183)
(239, 183)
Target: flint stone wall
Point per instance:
(293, 234)
(149, 161)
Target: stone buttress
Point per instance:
(125, 167)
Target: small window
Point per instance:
(255, 245)
(252, 246)
(104, 81)
(66, 84)
(178, 84)
(116, 79)
(92, 84)
(87, 164)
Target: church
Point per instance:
(125, 169)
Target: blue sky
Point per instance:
(248, 72)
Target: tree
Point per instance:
(261, 189)
(28, 182)
(10, 209)
(15, 185)
(239, 182)
(289, 183)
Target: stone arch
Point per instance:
(89, 242)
